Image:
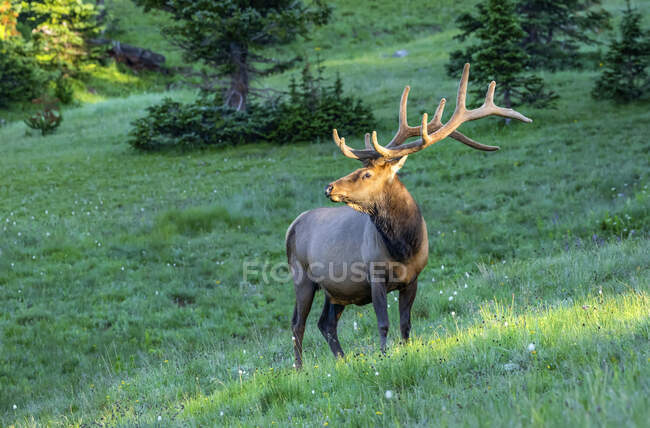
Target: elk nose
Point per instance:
(328, 189)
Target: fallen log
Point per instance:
(133, 56)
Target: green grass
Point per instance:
(121, 273)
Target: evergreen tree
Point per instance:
(556, 28)
(553, 29)
(498, 56)
(230, 36)
(60, 30)
(625, 76)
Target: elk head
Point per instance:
(361, 188)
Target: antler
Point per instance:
(405, 131)
(434, 130)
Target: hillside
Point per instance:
(121, 273)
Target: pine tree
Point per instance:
(499, 56)
(232, 36)
(625, 76)
(60, 30)
(554, 29)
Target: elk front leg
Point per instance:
(378, 288)
(327, 324)
(406, 299)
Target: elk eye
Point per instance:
(367, 175)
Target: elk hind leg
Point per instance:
(406, 299)
(328, 325)
(305, 290)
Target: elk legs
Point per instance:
(378, 289)
(305, 290)
(327, 325)
(406, 299)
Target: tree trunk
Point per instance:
(133, 56)
(507, 103)
(237, 94)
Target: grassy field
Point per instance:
(122, 294)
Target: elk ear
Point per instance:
(397, 165)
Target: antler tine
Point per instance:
(461, 115)
(344, 148)
(462, 91)
(366, 140)
(437, 117)
(471, 143)
(369, 153)
(490, 109)
(387, 153)
(404, 131)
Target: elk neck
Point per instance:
(397, 217)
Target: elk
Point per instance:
(377, 242)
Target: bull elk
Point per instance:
(377, 243)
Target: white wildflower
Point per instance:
(531, 347)
(389, 394)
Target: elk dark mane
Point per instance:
(399, 221)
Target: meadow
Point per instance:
(123, 300)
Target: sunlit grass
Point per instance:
(505, 360)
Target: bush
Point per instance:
(311, 111)
(48, 119)
(63, 89)
(189, 126)
(21, 79)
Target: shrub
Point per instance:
(189, 126)
(625, 77)
(311, 111)
(47, 119)
(63, 89)
(21, 78)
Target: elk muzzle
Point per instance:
(328, 189)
